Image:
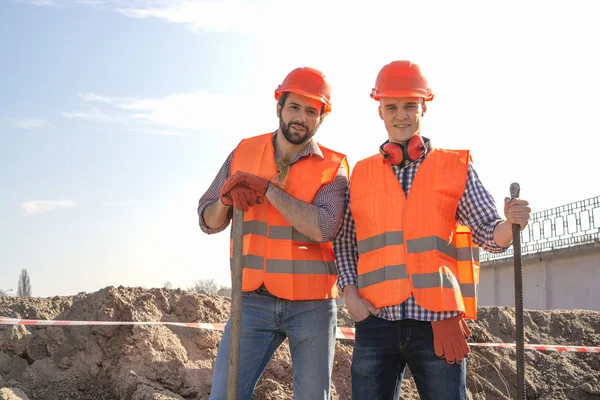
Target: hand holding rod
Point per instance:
(516, 233)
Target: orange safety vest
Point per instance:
(414, 245)
(291, 265)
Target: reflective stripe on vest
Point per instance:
(389, 272)
(288, 233)
(301, 267)
(251, 262)
(254, 228)
(437, 243)
(417, 246)
(288, 266)
(379, 241)
(275, 232)
(435, 280)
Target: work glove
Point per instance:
(450, 339)
(241, 197)
(256, 183)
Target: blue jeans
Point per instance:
(266, 322)
(382, 349)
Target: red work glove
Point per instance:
(247, 179)
(241, 197)
(450, 339)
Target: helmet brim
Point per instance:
(402, 93)
(321, 99)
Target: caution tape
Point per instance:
(341, 333)
(50, 322)
(543, 347)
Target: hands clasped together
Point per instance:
(243, 190)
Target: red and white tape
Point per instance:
(50, 322)
(341, 333)
(543, 347)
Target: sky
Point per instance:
(115, 116)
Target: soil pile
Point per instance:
(162, 362)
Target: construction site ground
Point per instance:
(163, 362)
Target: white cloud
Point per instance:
(65, 3)
(164, 132)
(119, 203)
(219, 16)
(92, 97)
(174, 115)
(41, 206)
(248, 16)
(31, 123)
(253, 16)
(183, 111)
(93, 3)
(47, 3)
(315, 19)
(93, 114)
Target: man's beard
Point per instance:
(293, 137)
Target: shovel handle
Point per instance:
(235, 328)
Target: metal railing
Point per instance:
(573, 224)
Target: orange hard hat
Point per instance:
(401, 79)
(307, 82)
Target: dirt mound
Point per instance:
(162, 362)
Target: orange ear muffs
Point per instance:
(396, 154)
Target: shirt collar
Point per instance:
(311, 148)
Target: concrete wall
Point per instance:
(558, 279)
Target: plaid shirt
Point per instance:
(329, 198)
(476, 209)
